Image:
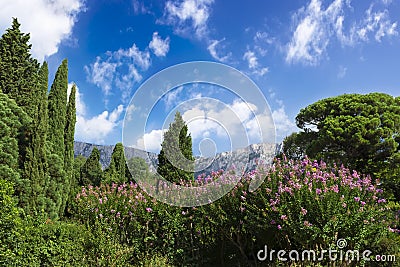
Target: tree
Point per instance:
(360, 131)
(13, 121)
(175, 161)
(91, 172)
(18, 70)
(22, 80)
(117, 171)
(69, 133)
(57, 112)
(138, 168)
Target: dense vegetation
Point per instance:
(59, 211)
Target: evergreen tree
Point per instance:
(69, 133)
(175, 161)
(22, 80)
(117, 171)
(91, 172)
(57, 111)
(13, 121)
(18, 71)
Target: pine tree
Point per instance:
(91, 172)
(117, 171)
(57, 111)
(69, 133)
(175, 161)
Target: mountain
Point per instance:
(241, 159)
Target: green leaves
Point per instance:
(360, 131)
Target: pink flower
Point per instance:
(362, 203)
(279, 227)
(303, 211)
(284, 217)
(149, 210)
(306, 223)
(356, 199)
(318, 191)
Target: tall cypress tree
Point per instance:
(57, 111)
(13, 121)
(91, 172)
(69, 133)
(18, 70)
(117, 171)
(21, 80)
(176, 161)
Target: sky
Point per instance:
(295, 51)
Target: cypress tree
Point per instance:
(69, 133)
(18, 70)
(175, 161)
(13, 121)
(57, 111)
(117, 171)
(91, 172)
(22, 80)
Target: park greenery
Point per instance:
(338, 178)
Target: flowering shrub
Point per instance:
(300, 205)
(310, 205)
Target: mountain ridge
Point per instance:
(243, 159)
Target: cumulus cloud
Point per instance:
(97, 128)
(316, 26)
(215, 50)
(159, 46)
(254, 66)
(188, 15)
(48, 22)
(120, 69)
(151, 141)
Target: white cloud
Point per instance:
(342, 72)
(171, 97)
(159, 46)
(94, 129)
(48, 22)
(119, 69)
(151, 141)
(253, 64)
(315, 26)
(97, 128)
(139, 7)
(188, 15)
(215, 51)
(312, 33)
(101, 73)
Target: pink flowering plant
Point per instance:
(310, 205)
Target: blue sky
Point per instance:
(296, 52)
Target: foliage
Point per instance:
(360, 131)
(310, 205)
(175, 161)
(91, 172)
(117, 171)
(138, 168)
(13, 121)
